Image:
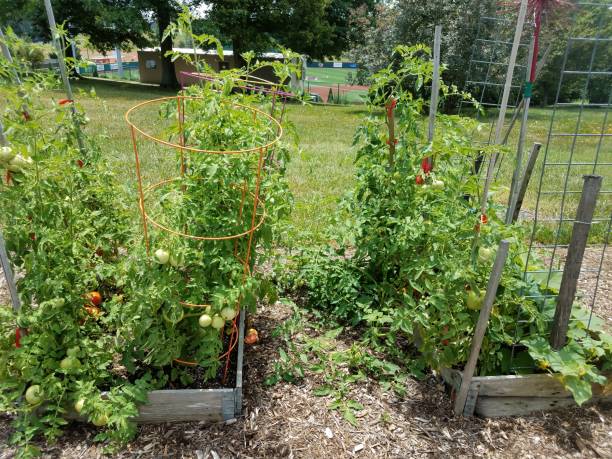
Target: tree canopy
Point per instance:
(318, 28)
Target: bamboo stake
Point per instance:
(575, 254)
(504, 104)
(481, 325)
(63, 71)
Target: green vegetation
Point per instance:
(322, 171)
(321, 76)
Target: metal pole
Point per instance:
(62, 68)
(504, 104)
(435, 83)
(481, 325)
(522, 189)
(573, 263)
(518, 166)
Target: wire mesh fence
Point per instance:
(578, 143)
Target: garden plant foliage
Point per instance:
(412, 253)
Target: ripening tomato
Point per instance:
(419, 180)
(484, 219)
(252, 336)
(80, 163)
(426, 165)
(95, 298)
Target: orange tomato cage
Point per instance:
(248, 189)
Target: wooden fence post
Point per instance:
(481, 326)
(573, 262)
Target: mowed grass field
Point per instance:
(322, 76)
(321, 170)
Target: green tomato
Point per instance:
(205, 320)
(33, 395)
(100, 420)
(176, 260)
(437, 185)
(228, 313)
(19, 163)
(78, 406)
(70, 363)
(6, 154)
(162, 256)
(474, 301)
(218, 322)
(486, 255)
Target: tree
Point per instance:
(107, 23)
(318, 28)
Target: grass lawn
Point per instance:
(323, 170)
(327, 76)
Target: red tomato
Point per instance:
(65, 101)
(419, 179)
(95, 298)
(484, 219)
(80, 163)
(426, 165)
(17, 338)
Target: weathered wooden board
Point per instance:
(184, 405)
(490, 407)
(510, 395)
(211, 405)
(188, 405)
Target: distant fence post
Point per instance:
(573, 262)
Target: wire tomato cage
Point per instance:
(247, 226)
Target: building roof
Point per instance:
(226, 52)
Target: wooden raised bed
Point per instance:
(212, 405)
(511, 395)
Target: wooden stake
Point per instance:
(435, 82)
(504, 103)
(518, 164)
(62, 67)
(522, 189)
(4, 260)
(573, 263)
(481, 326)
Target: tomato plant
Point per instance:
(417, 252)
(102, 321)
